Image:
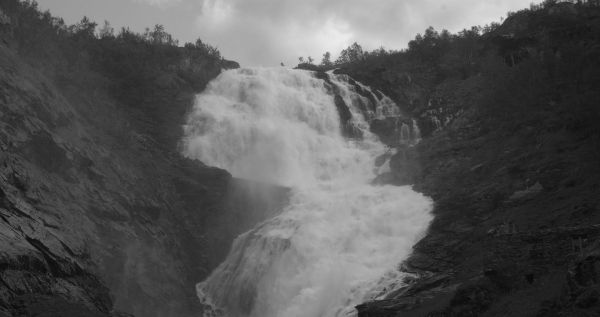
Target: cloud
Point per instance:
(159, 3)
(266, 31)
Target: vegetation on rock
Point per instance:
(99, 213)
(144, 71)
(510, 117)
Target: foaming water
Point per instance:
(339, 235)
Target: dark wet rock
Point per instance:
(323, 75)
(404, 167)
(227, 64)
(348, 129)
(383, 158)
(386, 129)
(343, 111)
(372, 101)
(310, 67)
(527, 192)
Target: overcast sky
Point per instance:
(267, 32)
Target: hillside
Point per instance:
(510, 155)
(99, 214)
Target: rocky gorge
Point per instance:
(102, 216)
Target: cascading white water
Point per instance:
(339, 235)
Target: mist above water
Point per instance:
(340, 234)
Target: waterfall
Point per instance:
(341, 238)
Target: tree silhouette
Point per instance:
(353, 53)
(84, 29)
(106, 31)
(326, 61)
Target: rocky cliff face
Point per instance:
(510, 157)
(98, 216)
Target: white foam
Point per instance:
(339, 235)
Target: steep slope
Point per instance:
(510, 156)
(99, 213)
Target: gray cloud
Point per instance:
(159, 3)
(266, 32)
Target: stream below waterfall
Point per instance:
(341, 238)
